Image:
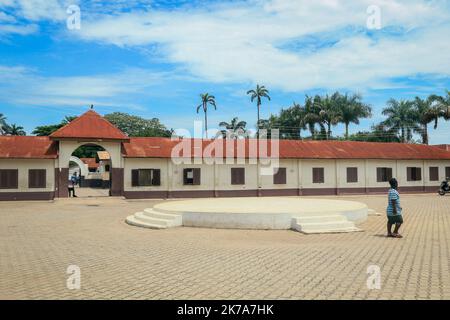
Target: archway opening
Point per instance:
(90, 171)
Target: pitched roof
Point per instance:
(90, 125)
(91, 162)
(103, 155)
(291, 149)
(27, 147)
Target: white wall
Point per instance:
(23, 165)
(298, 173)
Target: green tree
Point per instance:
(14, 130)
(378, 133)
(49, 129)
(258, 93)
(426, 111)
(233, 129)
(443, 105)
(3, 124)
(326, 110)
(206, 100)
(290, 121)
(135, 126)
(400, 118)
(350, 109)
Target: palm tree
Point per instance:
(400, 118)
(15, 130)
(234, 129)
(426, 111)
(312, 117)
(350, 109)
(3, 124)
(294, 118)
(327, 111)
(443, 104)
(206, 99)
(258, 94)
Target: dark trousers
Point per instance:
(72, 190)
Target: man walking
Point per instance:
(393, 210)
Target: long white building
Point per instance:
(33, 168)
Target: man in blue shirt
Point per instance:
(394, 210)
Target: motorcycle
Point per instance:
(444, 188)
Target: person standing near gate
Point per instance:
(72, 183)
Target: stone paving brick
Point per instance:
(39, 240)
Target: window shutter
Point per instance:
(434, 173)
(280, 176)
(37, 178)
(185, 173)
(388, 174)
(352, 174)
(156, 177)
(318, 175)
(9, 179)
(379, 175)
(409, 174)
(135, 177)
(237, 176)
(197, 177)
(314, 175)
(447, 172)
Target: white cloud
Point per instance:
(242, 42)
(19, 85)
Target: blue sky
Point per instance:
(154, 58)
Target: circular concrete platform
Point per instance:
(268, 213)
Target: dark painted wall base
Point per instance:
(21, 196)
(268, 192)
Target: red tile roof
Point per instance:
(443, 146)
(91, 162)
(27, 147)
(295, 149)
(90, 125)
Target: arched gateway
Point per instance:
(89, 128)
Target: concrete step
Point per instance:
(131, 220)
(325, 227)
(372, 212)
(140, 216)
(175, 219)
(319, 219)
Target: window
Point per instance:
(434, 173)
(107, 168)
(191, 176)
(352, 174)
(413, 174)
(37, 178)
(237, 175)
(145, 177)
(447, 172)
(280, 176)
(9, 179)
(318, 175)
(384, 174)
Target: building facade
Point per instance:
(37, 168)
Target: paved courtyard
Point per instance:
(39, 240)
